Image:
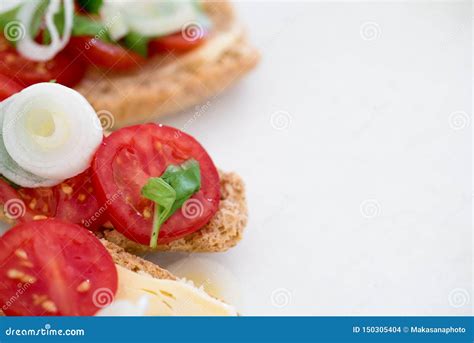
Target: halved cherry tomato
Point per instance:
(72, 200)
(64, 69)
(175, 43)
(128, 158)
(54, 268)
(14, 208)
(8, 87)
(105, 55)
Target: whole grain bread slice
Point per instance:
(224, 230)
(134, 263)
(170, 83)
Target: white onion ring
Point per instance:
(37, 52)
(10, 169)
(51, 131)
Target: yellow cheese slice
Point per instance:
(168, 297)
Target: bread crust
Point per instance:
(134, 263)
(170, 83)
(223, 232)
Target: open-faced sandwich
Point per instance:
(51, 267)
(136, 59)
(153, 187)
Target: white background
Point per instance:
(354, 139)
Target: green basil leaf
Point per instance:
(85, 26)
(164, 196)
(170, 192)
(8, 16)
(11, 16)
(185, 179)
(137, 42)
(91, 6)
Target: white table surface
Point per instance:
(354, 140)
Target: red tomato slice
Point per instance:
(14, 208)
(64, 69)
(77, 202)
(8, 87)
(128, 158)
(54, 268)
(101, 54)
(175, 43)
(72, 200)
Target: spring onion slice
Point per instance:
(38, 52)
(150, 18)
(11, 170)
(51, 131)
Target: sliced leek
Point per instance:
(11, 170)
(51, 131)
(38, 52)
(150, 18)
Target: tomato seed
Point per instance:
(39, 217)
(84, 286)
(66, 189)
(32, 204)
(15, 274)
(147, 212)
(49, 306)
(21, 254)
(39, 299)
(28, 279)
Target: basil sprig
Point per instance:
(8, 16)
(170, 191)
(86, 26)
(11, 16)
(91, 6)
(137, 42)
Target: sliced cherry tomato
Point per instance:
(77, 202)
(54, 268)
(14, 208)
(105, 55)
(72, 200)
(175, 43)
(8, 87)
(64, 69)
(128, 158)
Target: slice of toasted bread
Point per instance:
(224, 230)
(135, 263)
(170, 83)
